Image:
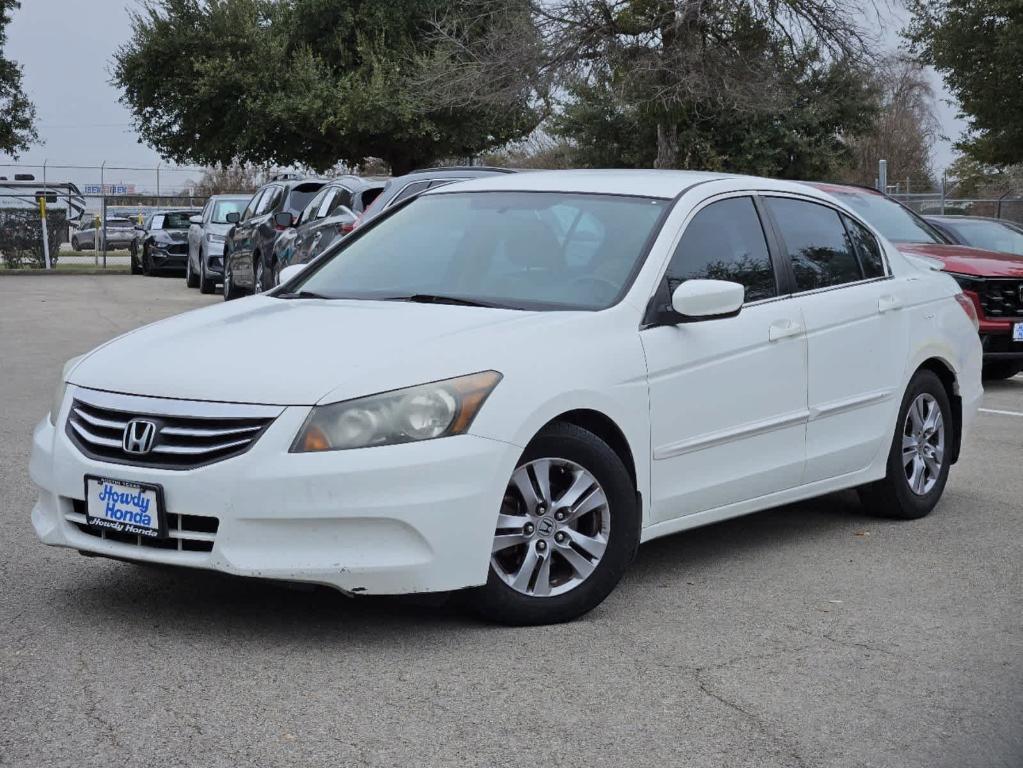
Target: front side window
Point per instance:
(819, 248)
(310, 210)
(508, 249)
(725, 241)
(254, 204)
(269, 201)
(299, 197)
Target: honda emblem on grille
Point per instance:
(139, 436)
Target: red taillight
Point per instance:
(969, 301)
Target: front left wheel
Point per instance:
(567, 529)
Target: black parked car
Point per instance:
(330, 215)
(162, 242)
(249, 245)
(981, 232)
(403, 187)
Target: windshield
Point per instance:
(887, 217)
(223, 207)
(521, 250)
(300, 197)
(177, 219)
(991, 235)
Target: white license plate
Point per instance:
(1017, 332)
(124, 506)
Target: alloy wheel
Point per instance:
(552, 530)
(923, 444)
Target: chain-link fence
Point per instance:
(1009, 206)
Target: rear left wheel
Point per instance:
(568, 527)
(191, 279)
(920, 454)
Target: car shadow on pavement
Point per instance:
(185, 599)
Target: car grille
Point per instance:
(1001, 298)
(185, 533)
(177, 248)
(211, 432)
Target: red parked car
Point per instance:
(992, 279)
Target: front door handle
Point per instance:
(781, 329)
(887, 302)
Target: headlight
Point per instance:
(212, 238)
(58, 394)
(424, 412)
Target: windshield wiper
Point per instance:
(435, 298)
(302, 295)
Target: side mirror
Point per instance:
(344, 210)
(283, 219)
(233, 217)
(195, 219)
(291, 271)
(708, 299)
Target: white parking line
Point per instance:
(1000, 413)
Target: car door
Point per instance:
(245, 234)
(195, 235)
(857, 339)
(319, 227)
(727, 396)
(336, 219)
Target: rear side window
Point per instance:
(369, 196)
(817, 244)
(725, 241)
(867, 248)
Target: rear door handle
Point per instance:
(887, 302)
(781, 329)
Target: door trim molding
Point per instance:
(836, 407)
(713, 439)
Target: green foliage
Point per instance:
(977, 46)
(801, 134)
(17, 114)
(310, 82)
(21, 236)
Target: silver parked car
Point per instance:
(206, 235)
(119, 233)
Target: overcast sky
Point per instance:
(65, 47)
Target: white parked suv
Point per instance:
(505, 385)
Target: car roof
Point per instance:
(665, 184)
(233, 196)
(953, 217)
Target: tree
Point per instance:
(769, 109)
(225, 179)
(904, 130)
(17, 114)
(307, 82)
(977, 46)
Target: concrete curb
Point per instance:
(64, 273)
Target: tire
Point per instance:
(1002, 369)
(894, 496)
(74, 244)
(147, 266)
(258, 275)
(231, 292)
(136, 268)
(570, 451)
(206, 284)
(191, 279)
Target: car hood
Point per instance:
(968, 261)
(301, 351)
(217, 228)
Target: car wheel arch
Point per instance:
(604, 427)
(946, 374)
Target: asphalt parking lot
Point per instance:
(810, 635)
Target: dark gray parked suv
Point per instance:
(249, 245)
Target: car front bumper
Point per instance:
(418, 517)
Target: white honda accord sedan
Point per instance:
(504, 386)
